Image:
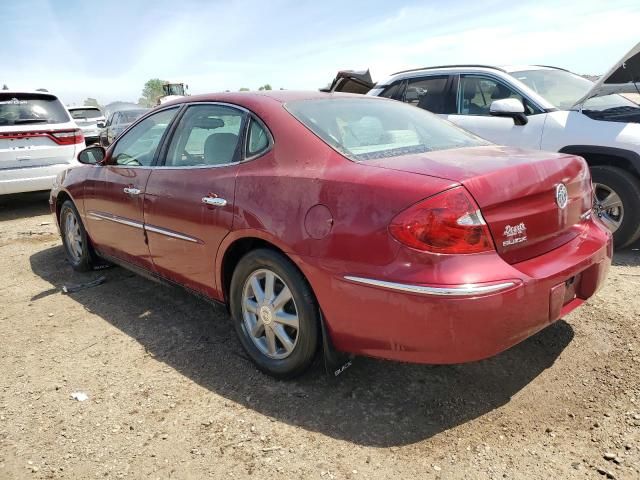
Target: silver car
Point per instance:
(88, 118)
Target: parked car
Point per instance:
(369, 224)
(543, 108)
(88, 118)
(38, 139)
(118, 122)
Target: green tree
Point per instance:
(266, 86)
(243, 89)
(151, 92)
(4, 87)
(91, 102)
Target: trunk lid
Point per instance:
(350, 81)
(623, 77)
(520, 193)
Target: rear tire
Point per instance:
(275, 313)
(74, 238)
(610, 182)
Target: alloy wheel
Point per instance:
(607, 205)
(73, 236)
(269, 314)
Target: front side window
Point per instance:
(207, 135)
(138, 146)
(367, 128)
(476, 93)
(428, 93)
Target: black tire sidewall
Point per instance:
(308, 313)
(84, 264)
(627, 186)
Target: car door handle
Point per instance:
(214, 201)
(132, 190)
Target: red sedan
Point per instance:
(362, 222)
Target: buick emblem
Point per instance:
(562, 195)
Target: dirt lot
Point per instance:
(171, 394)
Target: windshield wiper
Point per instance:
(30, 120)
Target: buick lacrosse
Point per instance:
(338, 221)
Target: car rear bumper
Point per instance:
(31, 179)
(427, 323)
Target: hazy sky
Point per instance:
(107, 49)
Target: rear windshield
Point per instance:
(24, 109)
(368, 128)
(81, 113)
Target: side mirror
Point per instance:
(509, 107)
(101, 125)
(93, 155)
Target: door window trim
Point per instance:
(244, 135)
(497, 79)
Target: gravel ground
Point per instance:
(171, 394)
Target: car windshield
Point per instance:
(174, 89)
(563, 89)
(129, 116)
(366, 129)
(80, 113)
(27, 108)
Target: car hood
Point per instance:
(623, 77)
(350, 81)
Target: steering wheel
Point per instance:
(124, 159)
(190, 159)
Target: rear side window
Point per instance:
(258, 140)
(82, 113)
(428, 93)
(393, 91)
(30, 108)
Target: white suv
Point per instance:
(38, 140)
(88, 119)
(542, 108)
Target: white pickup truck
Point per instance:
(539, 107)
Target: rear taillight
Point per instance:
(449, 222)
(61, 137)
(67, 137)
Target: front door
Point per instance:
(189, 198)
(114, 194)
(475, 94)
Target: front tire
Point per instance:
(275, 313)
(75, 239)
(617, 202)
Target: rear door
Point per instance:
(114, 193)
(189, 199)
(474, 95)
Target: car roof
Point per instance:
(473, 66)
(85, 107)
(27, 92)
(266, 96)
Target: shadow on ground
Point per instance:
(374, 403)
(23, 205)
